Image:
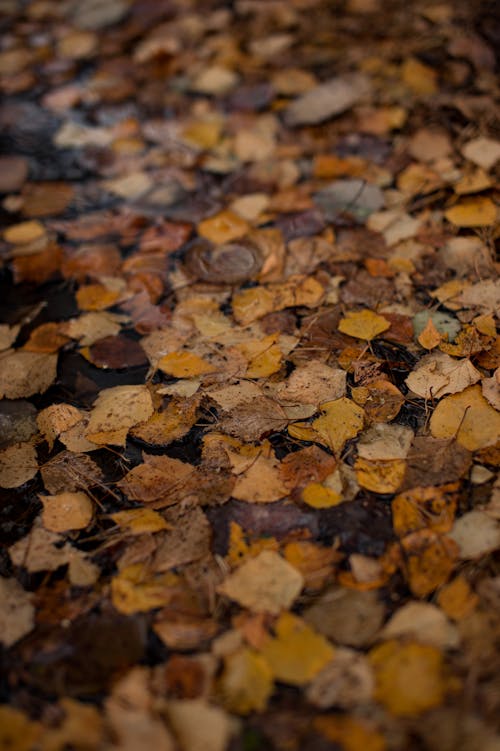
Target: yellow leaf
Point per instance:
(184, 364)
(246, 683)
(476, 212)
(223, 227)
(139, 521)
(203, 133)
(424, 508)
(297, 653)
(96, 297)
(315, 562)
(457, 599)
(239, 549)
(363, 324)
(341, 420)
(302, 431)
(17, 732)
(350, 733)
(252, 304)
(429, 560)
(410, 677)
(380, 476)
(261, 482)
(24, 232)
(430, 336)
(419, 77)
(319, 496)
(115, 411)
(136, 590)
(468, 417)
(263, 355)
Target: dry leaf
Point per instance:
(266, 583)
(184, 364)
(340, 420)
(344, 682)
(139, 521)
(424, 623)
(199, 726)
(476, 534)
(66, 511)
(468, 418)
(26, 373)
(346, 616)
(352, 733)
(17, 614)
(485, 152)
(18, 464)
(261, 482)
(115, 411)
(457, 599)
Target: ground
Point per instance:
(249, 375)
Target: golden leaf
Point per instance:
(457, 598)
(184, 364)
(319, 496)
(430, 336)
(475, 212)
(350, 733)
(410, 678)
(380, 476)
(223, 227)
(468, 417)
(247, 682)
(363, 324)
(134, 589)
(138, 521)
(297, 653)
(341, 420)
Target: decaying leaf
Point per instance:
(247, 682)
(26, 373)
(115, 411)
(17, 613)
(18, 464)
(265, 583)
(439, 374)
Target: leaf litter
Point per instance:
(249, 376)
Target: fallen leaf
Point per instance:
(26, 373)
(474, 212)
(17, 614)
(265, 583)
(184, 364)
(261, 482)
(430, 336)
(115, 411)
(327, 100)
(457, 599)
(223, 227)
(17, 731)
(380, 476)
(424, 623)
(344, 682)
(199, 726)
(340, 420)
(410, 678)
(18, 464)
(139, 521)
(439, 374)
(135, 589)
(485, 152)
(296, 654)
(66, 511)
(353, 733)
(429, 560)
(346, 616)
(24, 232)
(246, 683)
(468, 417)
(476, 534)
(363, 324)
